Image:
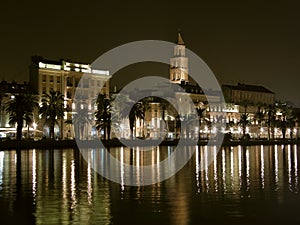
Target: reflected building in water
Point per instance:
(239, 170)
(55, 186)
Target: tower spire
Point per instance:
(179, 39)
(179, 63)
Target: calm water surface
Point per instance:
(243, 185)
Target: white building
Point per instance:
(64, 76)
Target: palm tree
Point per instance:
(271, 121)
(291, 122)
(79, 120)
(146, 107)
(201, 113)
(103, 115)
(137, 112)
(282, 124)
(21, 108)
(2, 95)
(245, 103)
(259, 117)
(52, 109)
(164, 104)
(286, 120)
(244, 122)
(104, 123)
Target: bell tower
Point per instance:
(179, 63)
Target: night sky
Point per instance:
(255, 42)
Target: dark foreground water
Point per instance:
(243, 185)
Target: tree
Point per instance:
(2, 95)
(164, 104)
(282, 125)
(79, 120)
(146, 107)
(103, 115)
(286, 119)
(137, 112)
(259, 116)
(244, 122)
(52, 109)
(201, 113)
(271, 121)
(20, 109)
(291, 122)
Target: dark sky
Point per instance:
(256, 42)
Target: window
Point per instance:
(44, 78)
(51, 78)
(69, 81)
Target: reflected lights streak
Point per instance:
(137, 157)
(224, 169)
(296, 166)
(289, 166)
(240, 164)
(262, 166)
(73, 185)
(215, 169)
(157, 162)
(137, 162)
(34, 173)
(89, 183)
(122, 168)
(247, 170)
(276, 165)
(64, 177)
(206, 168)
(231, 168)
(197, 169)
(1, 168)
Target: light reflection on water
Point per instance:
(242, 184)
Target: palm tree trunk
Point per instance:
(19, 129)
(27, 131)
(108, 131)
(51, 127)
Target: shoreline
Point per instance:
(50, 144)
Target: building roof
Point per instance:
(247, 87)
(36, 59)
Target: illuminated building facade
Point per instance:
(64, 76)
(251, 94)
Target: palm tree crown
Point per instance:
(20, 109)
(103, 115)
(52, 109)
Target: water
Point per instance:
(243, 185)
